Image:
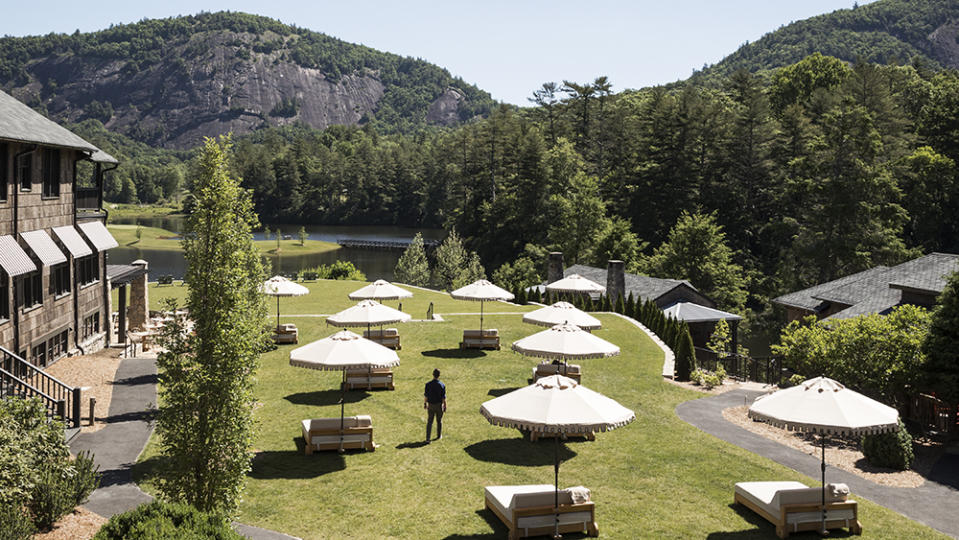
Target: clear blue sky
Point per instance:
(508, 48)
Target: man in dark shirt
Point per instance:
(434, 401)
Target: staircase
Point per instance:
(22, 379)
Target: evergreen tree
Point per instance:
(205, 423)
(685, 355)
(630, 307)
(413, 268)
(941, 345)
(450, 270)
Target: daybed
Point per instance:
(286, 333)
(546, 369)
(369, 378)
(324, 433)
(793, 507)
(480, 339)
(528, 510)
(387, 337)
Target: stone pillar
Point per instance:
(615, 280)
(555, 268)
(139, 303)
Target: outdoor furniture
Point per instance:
(567, 370)
(285, 333)
(480, 339)
(528, 510)
(166, 279)
(324, 433)
(369, 378)
(793, 507)
(280, 286)
(389, 337)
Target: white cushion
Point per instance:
(502, 496)
(762, 493)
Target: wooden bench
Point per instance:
(324, 434)
(529, 511)
(480, 339)
(567, 370)
(369, 378)
(286, 333)
(387, 337)
(793, 507)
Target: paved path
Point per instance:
(117, 445)
(932, 503)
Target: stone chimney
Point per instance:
(555, 268)
(139, 310)
(615, 280)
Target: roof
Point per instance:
(102, 157)
(878, 289)
(13, 259)
(72, 240)
(644, 287)
(118, 274)
(98, 235)
(43, 247)
(21, 123)
(690, 312)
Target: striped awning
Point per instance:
(98, 235)
(43, 247)
(74, 243)
(13, 259)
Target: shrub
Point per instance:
(51, 498)
(708, 379)
(337, 270)
(86, 478)
(15, 524)
(159, 521)
(29, 443)
(892, 450)
(697, 376)
(794, 380)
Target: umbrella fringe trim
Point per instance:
(822, 429)
(565, 428)
(321, 367)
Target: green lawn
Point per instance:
(655, 478)
(121, 210)
(162, 239)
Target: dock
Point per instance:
(399, 245)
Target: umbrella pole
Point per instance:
(556, 486)
(481, 318)
(342, 405)
(278, 312)
(823, 470)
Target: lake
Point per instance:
(376, 264)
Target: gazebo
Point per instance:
(702, 321)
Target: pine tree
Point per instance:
(413, 268)
(685, 355)
(620, 306)
(941, 346)
(630, 308)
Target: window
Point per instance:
(25, 171)
(4, 297)
(40, 354)
(30, 289)
(91, 326)
(59, 279)
(88, 269)
(4, 170)
(51, 173)
(57, 346)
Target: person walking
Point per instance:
(434, 401)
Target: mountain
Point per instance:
(886, 31)
(171, 82)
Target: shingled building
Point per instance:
(54, 292)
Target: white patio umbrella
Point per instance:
(279, 286)
(560, 313)
(824, 406)
(481, 291)
(343, 351)
(380, 290)
(575, 283)
(367, 313)
(565, 342)
(559, 405)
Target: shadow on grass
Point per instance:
(414, 444)
(325, 397)
(294, 464)
(497, 392)
(765, 529)
(499, 529)
(518, 452)
(142, 471)
(454, 353)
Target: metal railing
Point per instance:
(23, 379)
(764, 369)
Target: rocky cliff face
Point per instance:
(211, 84)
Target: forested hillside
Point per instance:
(170, 82)
(884, 32)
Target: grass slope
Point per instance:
(655, 478)
(162, 239)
